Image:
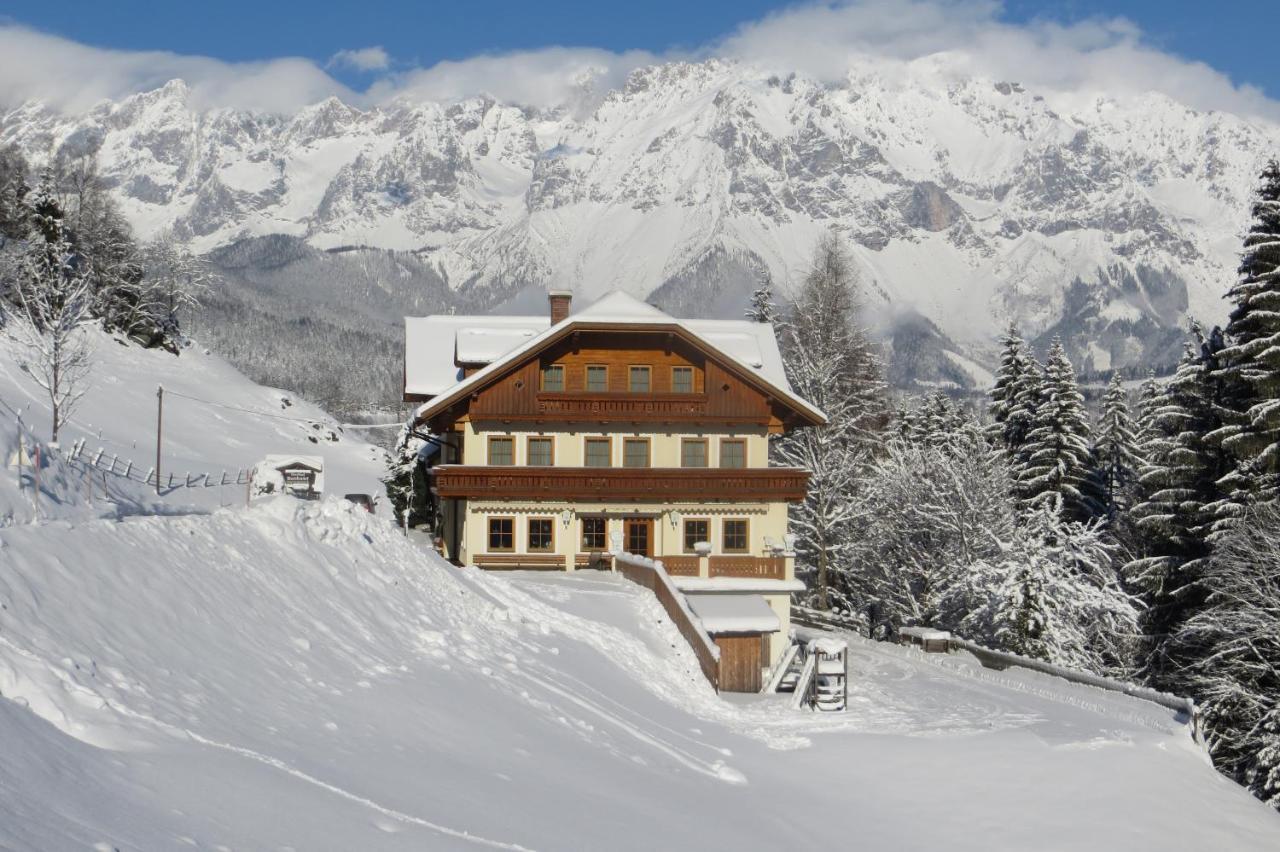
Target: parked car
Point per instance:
(363, 500)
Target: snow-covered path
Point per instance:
(301, 675)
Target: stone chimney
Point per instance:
(560, 300)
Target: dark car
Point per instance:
(362, 500)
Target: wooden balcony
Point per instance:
(622, 406)
(657, 484)
(754, 567)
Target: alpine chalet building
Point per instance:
(569, 436)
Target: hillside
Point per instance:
(215, 421)
(300, 675)
(968, 201)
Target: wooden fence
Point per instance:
(653, 576)
(114, 465)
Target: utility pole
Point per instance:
(159, 425)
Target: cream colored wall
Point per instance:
(569, 443)
(766, 520)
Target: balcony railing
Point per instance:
(604, 483)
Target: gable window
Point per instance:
(501, 534)
(502, 451)
(635, 452)
(541, 535)
(598, 452)
(733, 452)
(734, 539)
(553, 378)
(539, 452)
(693, 452)
(696, 530)
(593, 533)
(682, 380)
(639, 380)
(597, 378)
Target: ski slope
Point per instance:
(301, 675)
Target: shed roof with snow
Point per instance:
(734, 614)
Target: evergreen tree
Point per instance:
(1057, 460)
(1022, 617)
(1028, 394)
(1115, 451)
(1251, 363)
(762, 308)
(1236, 678)
(830, 362)
(1010, 430)
(406, 480)
(1175, 512)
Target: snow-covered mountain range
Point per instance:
(968, 202)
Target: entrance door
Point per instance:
(637, 535)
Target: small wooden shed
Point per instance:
(740, 625)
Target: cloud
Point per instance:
(553, 75)
(824, 40)
(362, 59)
(71, 76)
(969, 37)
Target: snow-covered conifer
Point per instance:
(1115, 450)
(762, 308)
(1013, 363)
(1251, 360)
(1236, 677)
(1056, 454)
(1175, 509)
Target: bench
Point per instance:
(516, 561)
(598, 560)
(930, 640)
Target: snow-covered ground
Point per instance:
(215, 421)
(177, 673)
(300, 675)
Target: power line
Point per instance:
(278, 416)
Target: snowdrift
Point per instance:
(300, 674)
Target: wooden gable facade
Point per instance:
(716, 390)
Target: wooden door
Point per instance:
(741, 663)
(637, 536)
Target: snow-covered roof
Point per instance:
(734, 614)
(435, 344)
(278, 461)
(737, 585)
(432, 343)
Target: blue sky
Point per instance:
(1221, 34)
(418, 35)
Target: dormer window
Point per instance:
(639, 382)
(553, 378)
(682, 380)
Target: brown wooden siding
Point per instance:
(718, 397)
(757, 567)
(650, 484)
(741, 663)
